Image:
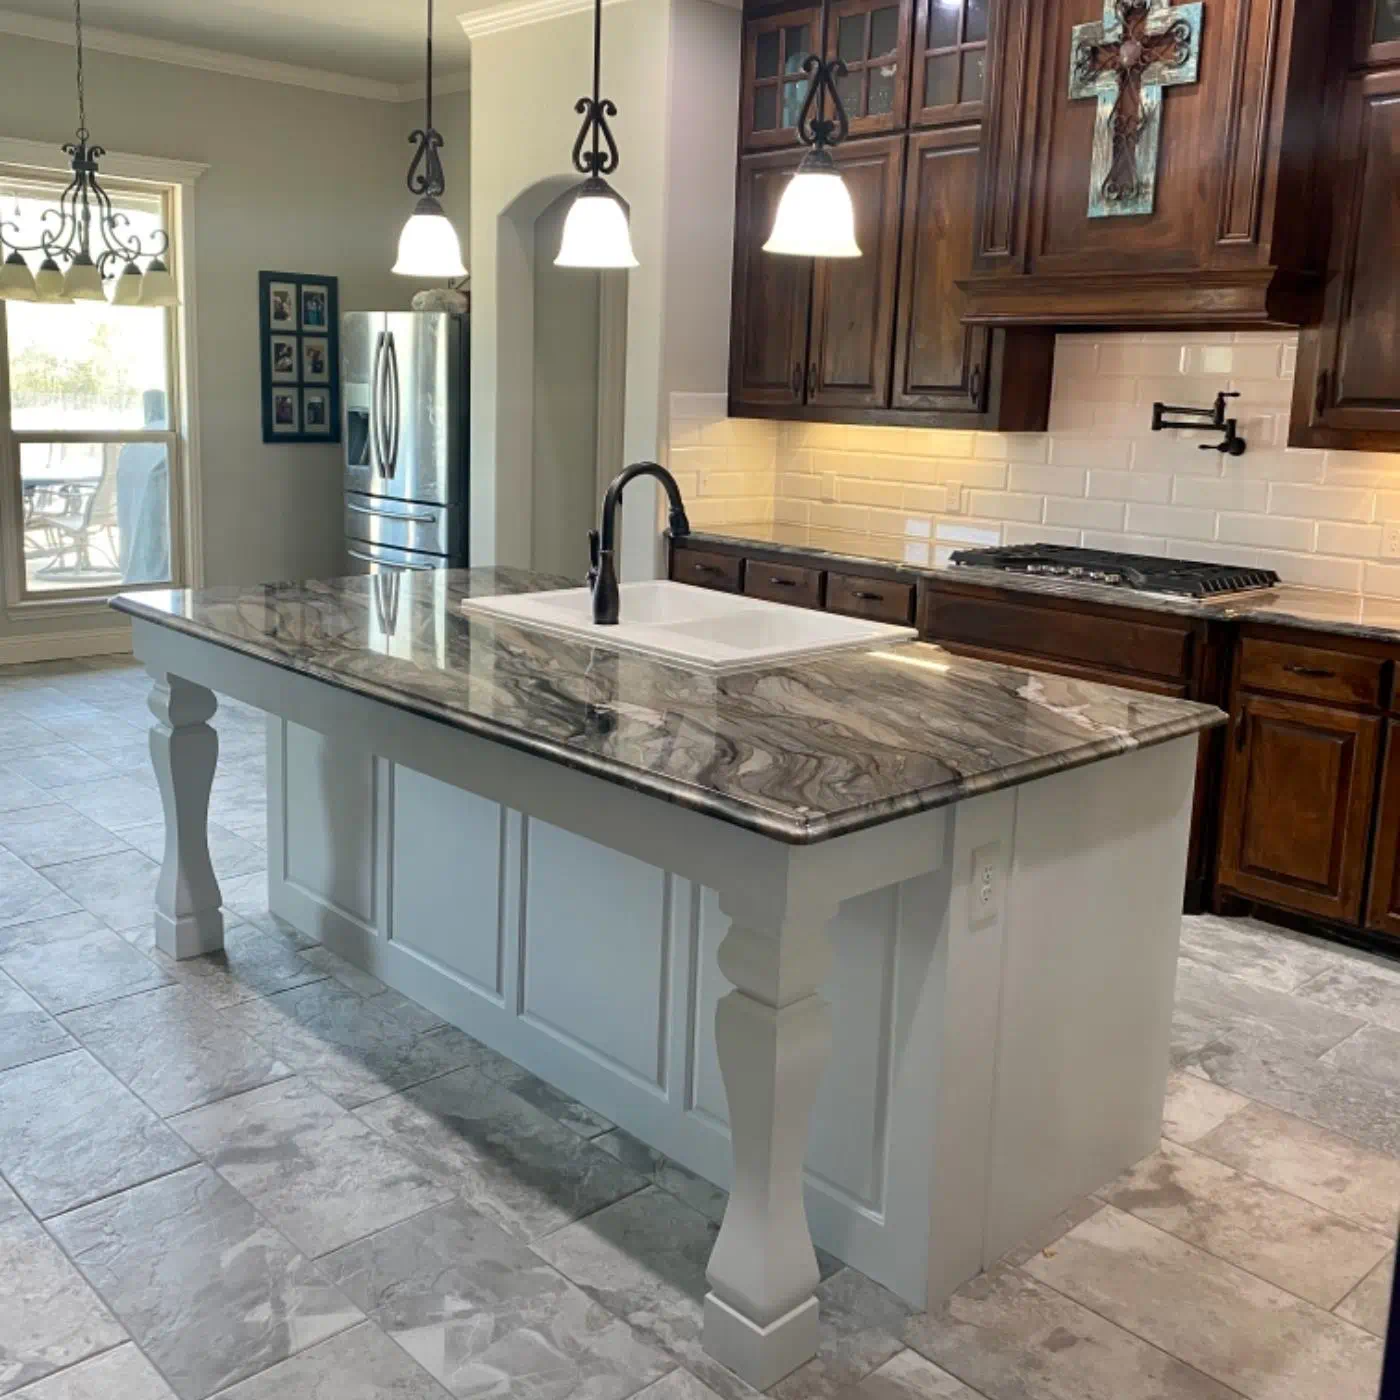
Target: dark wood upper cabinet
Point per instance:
(871, 37)
(774, 85)
(1300, 779)
(853, 298)
(1194, 222)
(772, 295)
(950, 61)
(1378, 32)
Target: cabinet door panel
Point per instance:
(940, 364)
(772, 294)
(950, 62)
(853, 298)
(774, 84)
(1349, 376)
(1299, 785)
(872, 38)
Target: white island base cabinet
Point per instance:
(1000, 1039)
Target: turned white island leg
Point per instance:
(185, 750)
(773, 1038)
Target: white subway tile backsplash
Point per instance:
(1100, 477)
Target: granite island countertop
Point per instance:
(801, 752)
(1287, 605)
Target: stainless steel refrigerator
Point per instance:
(404, 396)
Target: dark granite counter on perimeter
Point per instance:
(1288, 605)
(801, 752)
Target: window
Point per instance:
(89, 440)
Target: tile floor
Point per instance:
(265, 1176)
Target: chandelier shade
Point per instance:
(16, 280)
(158, 286)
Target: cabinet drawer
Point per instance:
(783, 583)
(1310, 672)
(722, 571)
(876, 598)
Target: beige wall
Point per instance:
(298, 181)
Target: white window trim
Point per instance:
(178, 179)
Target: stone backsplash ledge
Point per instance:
(1100, 476)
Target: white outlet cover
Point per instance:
(1390, 540)
(984, 891)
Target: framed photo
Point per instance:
(315, 412)
(314, 307)
(286, 412)
(285, 369)
(299, 346)
(282, 306)
(315, 359)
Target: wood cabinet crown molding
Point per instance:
(1193, 222)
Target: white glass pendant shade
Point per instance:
(82, 281)
(126, 289)
(158, 286)
(428, 245)
(815, 218)
(16, 280)
(596, 231)
(48, 282)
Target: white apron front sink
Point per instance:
(693, 627)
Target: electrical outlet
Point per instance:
(1390, 540)
(986, 891)
(954, 490)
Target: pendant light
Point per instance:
(816, 218)
(596, 232)
(428, 245)
(84, 230)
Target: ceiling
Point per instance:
(380, 40)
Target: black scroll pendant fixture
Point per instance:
(428, 245)
(596, 231)
(87, 233)
(816, 218)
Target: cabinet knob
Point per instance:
(974, 385)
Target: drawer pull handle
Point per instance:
(783, 582)
(867, 597)
(1315, 672)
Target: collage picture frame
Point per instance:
(299, 336)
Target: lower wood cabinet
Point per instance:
(1299, 788)
(1383, 899)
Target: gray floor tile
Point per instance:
(173, 1049)
(644, 1260)
(71, 1133)
(75, 961)
(1215, 1010)
(862, 1325)
(25, 895)
(49, 1317)
(210, 1292)
(1347, 1104)
(695, 1191)
(120, 1374)
(27, 1031)
(1373, 1053)
(1011, 1338)
(1319, 1166)
(117, 803)
(909, 1377)
(1368, 1304)
(362, 1364)
(57, 764)
(119, 889)
(545, 1097)
(486, 1315)
(679, 1385)
(1270, 1233)
(252, 963)
(311, 1167)
(353, 1049)
(346, 973)
(17, 792)
(1049, 1234)
(1367, 990)
(230, 853)
(1259, 953)
(1195, 1106)
(508, 1159)
(20, 735)
(42, 836)
(246, 894)
(1200, 1309)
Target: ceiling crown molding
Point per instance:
(47, 156)
(516, 14)
(213, 61)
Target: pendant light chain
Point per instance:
(82, 87)
(428, 86)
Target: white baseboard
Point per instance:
(65, 646)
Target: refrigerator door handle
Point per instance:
(376, 406)
(388, 563)
(392, 385)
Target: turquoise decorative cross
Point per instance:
(1139, 48)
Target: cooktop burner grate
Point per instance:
(1140, 572)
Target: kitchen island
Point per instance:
(652, 886)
